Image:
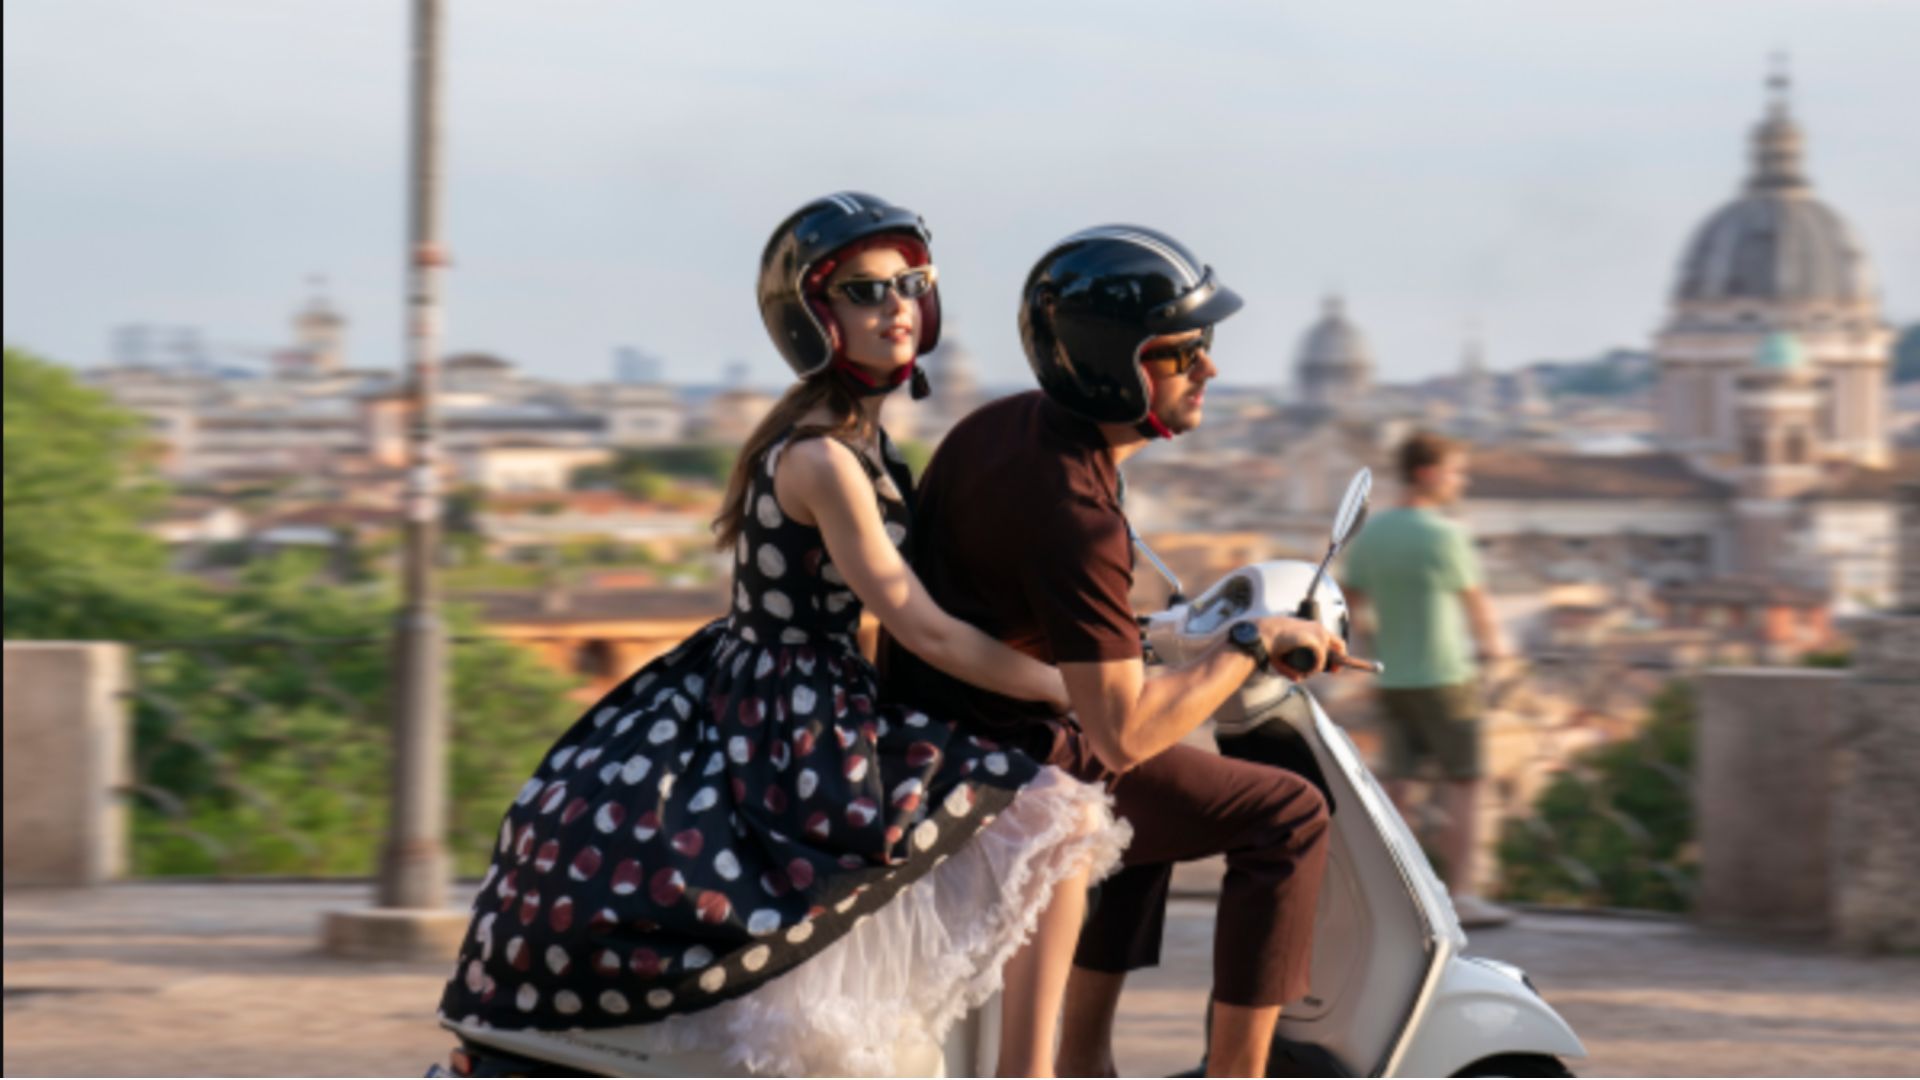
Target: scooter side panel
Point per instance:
(1477, 1012)
(1371, 957)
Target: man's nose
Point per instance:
(1204, 368)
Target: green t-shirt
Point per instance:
(1412, 564)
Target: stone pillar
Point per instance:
(1876, 802)
(1762, 797)
(68, 751)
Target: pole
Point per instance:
(414, 868)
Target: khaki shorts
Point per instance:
(1432, 723)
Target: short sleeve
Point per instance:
(1077, 577)
(1462, 566)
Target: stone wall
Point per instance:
(67, 752)
(1876, 810)
(1907, 577)
(1762, 796)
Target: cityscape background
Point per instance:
(1656, 266)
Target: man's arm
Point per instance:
(1362, 619)
(1128, 718)
(1480, 619)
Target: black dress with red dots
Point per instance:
(739, 848)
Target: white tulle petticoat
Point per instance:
(902, 976)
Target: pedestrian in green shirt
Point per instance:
(1432, 625)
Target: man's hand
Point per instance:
(1285, 634)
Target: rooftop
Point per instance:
(1498, 473)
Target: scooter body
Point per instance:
(1393, 993)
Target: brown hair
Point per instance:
(1421, 449)
(814, 392)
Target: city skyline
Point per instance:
(1536, 174)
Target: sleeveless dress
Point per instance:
(741, 849)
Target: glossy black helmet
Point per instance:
(1095, 298)
(802, 253)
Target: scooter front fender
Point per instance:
(1483, 1009)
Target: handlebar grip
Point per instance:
(1301, 660)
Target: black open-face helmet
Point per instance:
(801, 254)
(1096, 298)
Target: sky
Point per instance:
(1532, 170)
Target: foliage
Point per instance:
(1829, 658)
(1906, 355)
(1616, 827)
(917, 454)
(654, 473)
(77, 563)
(260, 714)
(270, 743)
(1604, 377)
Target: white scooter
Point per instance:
(1392, 992)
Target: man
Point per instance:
(1019, 530)
(1421, 575)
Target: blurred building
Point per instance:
(1333, 371)
(309, 413)
(1775, 259)
(1761, 458)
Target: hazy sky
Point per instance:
(614, 167)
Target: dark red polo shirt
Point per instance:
(1018, 530)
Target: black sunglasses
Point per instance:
(1182, 354)
(872, 292)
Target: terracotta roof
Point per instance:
(599, 605)
(1508, 474)
(1735, 590)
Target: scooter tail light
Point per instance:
(460, 1062)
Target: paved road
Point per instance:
(160, 979)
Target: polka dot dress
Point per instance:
(727, 811)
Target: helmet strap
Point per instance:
(863, 385)
(1151, 426)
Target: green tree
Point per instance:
(1616, 826)
(917, 454)
(266, 749)
(77, 563)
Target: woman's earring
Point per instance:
(921, 387)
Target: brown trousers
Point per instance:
(1187, 803)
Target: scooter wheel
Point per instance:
(1517, 1065)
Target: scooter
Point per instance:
(1393, 993)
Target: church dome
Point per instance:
(1334, 343)
(1775, 241)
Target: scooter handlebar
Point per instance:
(1302, 659)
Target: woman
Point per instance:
(739, 848)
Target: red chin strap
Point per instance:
(1152, 427)
(865, 385)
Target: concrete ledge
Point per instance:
(408, 934)
(68, 751)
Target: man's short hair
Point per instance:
(1424, 448)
